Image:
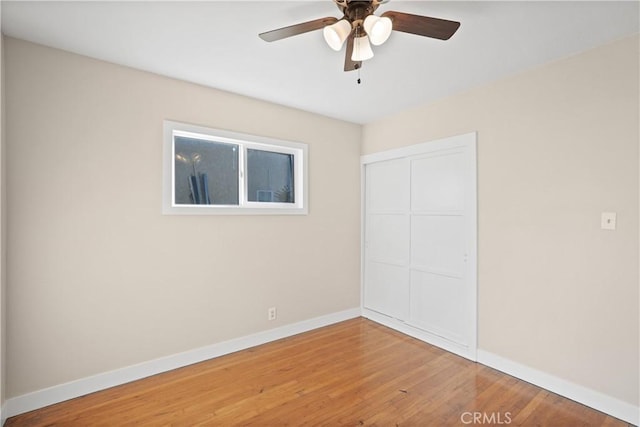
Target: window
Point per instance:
(209, 171)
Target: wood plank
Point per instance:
(353, 373)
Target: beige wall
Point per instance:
(98, 278)
(557, 146)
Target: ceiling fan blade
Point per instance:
(349, 64)
(422, 25)
(294, 30)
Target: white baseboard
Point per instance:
(594, 399)
(59, 393)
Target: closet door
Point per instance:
(387, 248)
(440, 289)
(420, 242)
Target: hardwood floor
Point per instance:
(353, 373)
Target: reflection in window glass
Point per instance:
(206, 172)
(270, 177)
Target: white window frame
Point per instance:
(299, 151)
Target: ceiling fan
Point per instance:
(360, 28)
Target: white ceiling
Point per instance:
(215, 43)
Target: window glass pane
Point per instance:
(206, 172)
(270, 177)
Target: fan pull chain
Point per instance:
(359, 80)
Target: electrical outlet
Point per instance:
(272, 313)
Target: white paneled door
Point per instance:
(419, 253)
(387, 247)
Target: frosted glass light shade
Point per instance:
(378, 28)
(361, 49)
(336, 34)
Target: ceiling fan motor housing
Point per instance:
(356, 10)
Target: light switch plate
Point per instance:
(608, 221)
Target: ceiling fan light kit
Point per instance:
(361, 49)
(360, 28)
(336, 34)
(378, 28)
